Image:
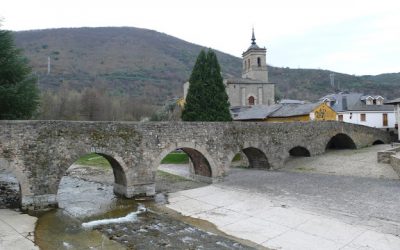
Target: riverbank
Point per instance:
(17, 230)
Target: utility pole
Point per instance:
(48, 65)
(332, 77)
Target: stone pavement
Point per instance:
(361, 162)
(274, 224)
(342, 199)
(16, 230)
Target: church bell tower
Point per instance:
(254, 62)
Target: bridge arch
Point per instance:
(8, 168)
(341, 141)
(118, 167)
(203, 163)
(377, 142)
(299, 151)
(256, 158)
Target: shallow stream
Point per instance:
(151, 226)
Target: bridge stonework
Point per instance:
(40, 152)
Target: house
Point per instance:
(396, 103)
(368, 110)
(285, 112)
(253, 88)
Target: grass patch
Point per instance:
(237, 157)
(176, 158)
(94, 160)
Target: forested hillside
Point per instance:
(152, 66)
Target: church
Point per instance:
(253, 88)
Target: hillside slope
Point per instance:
(146, 63)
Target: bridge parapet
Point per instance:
(40, 152)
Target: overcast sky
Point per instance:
(349, 36)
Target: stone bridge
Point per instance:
(40, 152)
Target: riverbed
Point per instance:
(85, 197)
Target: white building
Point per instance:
(253, 88)
(368, 110)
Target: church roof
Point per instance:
(245, 81)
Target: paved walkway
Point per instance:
(16, 230)
(361, 162)
(273, 224)
(339, 200)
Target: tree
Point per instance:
(206, 99)
(19, 95)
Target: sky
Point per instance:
(347, 36)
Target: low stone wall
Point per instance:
(385, 156)
(395, 163)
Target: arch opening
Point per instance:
(299, 152)
(10, 188)
(341, 141)
(378, 142)
(256, 158)
(182, 168)
(91, 185)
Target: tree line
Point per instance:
(92, 104)
(20, 97)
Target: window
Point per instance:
(340, 118)
(363, 117)
(385, 120)
(248, 63)
(258, 61)
(251, 100)
(374, 101)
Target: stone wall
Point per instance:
(395, 163)
(40, 152)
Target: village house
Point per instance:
(285, 112)
(253, 88)
(368, 110)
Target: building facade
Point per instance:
(253, 88)
(368, 110)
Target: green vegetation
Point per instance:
(206, 99)
(176, 158)
(94, 160)
(151, 67)
(19, 95)
(237, 157)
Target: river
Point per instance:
(153, 226)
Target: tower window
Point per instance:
(251, 100)
(258, 61)
(248, 63)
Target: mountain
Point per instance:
(154, 65)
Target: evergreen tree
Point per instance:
(19, 95)
(206, 99)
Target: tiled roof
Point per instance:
(260, 112)
(354, 102)
(395, 101)
(288, 110)
(257, 112)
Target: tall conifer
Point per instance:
(206, 99)
(19, 95)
